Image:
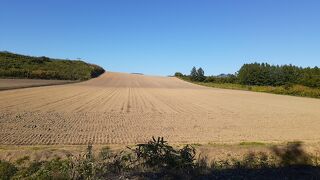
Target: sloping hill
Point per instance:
(125, 108)
(124, 80)
(20, 66)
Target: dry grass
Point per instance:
(119, 108)
(217, 151)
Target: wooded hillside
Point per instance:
(21, 66)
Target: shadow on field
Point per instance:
(293, 172)
(156, 159)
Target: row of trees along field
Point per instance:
(20, 66)
(271, 75)
(262, 74)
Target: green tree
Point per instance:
(178, 74)
(200, 75)
(271, 75)
(194, 74)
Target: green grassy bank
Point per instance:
(293, 90)
(21, 66)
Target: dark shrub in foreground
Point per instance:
(7, 170)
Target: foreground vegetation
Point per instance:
(286, 79)
(158, 160)
(20, 66)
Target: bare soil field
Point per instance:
(6, 84)
(118, 108)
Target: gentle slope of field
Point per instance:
(120, 108)
(6, 84)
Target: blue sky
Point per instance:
(160, 37)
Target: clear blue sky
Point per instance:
(161, 37)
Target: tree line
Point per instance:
(275, 75)
(262, 74)
(21, 66)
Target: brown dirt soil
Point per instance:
(6, 84)
(118, 108)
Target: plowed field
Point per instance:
(6, 84)
(118, 108)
